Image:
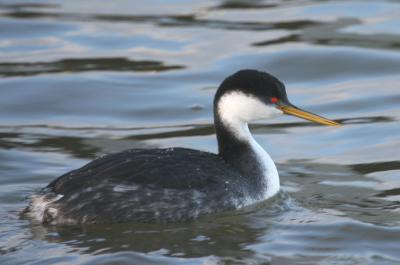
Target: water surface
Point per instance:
(80, 79)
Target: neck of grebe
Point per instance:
(238, 147)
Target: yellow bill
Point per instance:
(291, 110)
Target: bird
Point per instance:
(179, 184)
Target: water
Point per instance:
(80, 79)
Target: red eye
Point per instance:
(274, 100)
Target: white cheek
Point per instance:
(262, 111)
(237, 106)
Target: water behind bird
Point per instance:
(83, 79)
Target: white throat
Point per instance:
(236, 110)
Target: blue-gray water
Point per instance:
(79, 79)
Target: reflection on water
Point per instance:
(80, 79)
(82, 65)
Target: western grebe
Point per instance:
(178, 184)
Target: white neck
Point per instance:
(235, 110)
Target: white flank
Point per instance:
(39, 205)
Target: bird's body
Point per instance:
(178, 184)
(159, 189)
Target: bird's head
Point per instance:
(250, 95)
